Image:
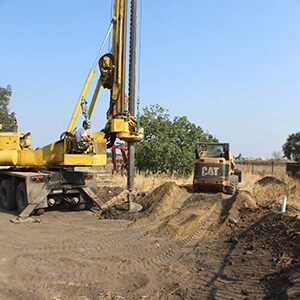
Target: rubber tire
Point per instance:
(237, 180)
(239, 174)
(21, 196)
(7, 199)
(233, 185)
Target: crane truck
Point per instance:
(35, 179)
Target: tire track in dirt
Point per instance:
(165, 253)
(79, 254)
(176, 246)
(116, 252)
(223, 280)
(177, 258)
(74, 254)
(227, 276)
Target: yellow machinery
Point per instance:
(215, 168)
(37, 178)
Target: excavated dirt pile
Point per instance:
(169, 210)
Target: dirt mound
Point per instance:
(269, 180)
(193, 213)
(232, 208)
(269, 190)
(244, 199)
(164, 201)
(279, 235)
(169, 209)
(174, 211)
(165, 197)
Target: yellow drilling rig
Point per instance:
(34, 179)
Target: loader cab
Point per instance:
(206, 149)
(215, 168)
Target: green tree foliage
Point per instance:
(7, 118)
(168, 146)
(291, 148)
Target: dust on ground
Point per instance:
(180, 246)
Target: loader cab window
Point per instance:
(215, 149)
(212, 150)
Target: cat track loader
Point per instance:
(215, 168)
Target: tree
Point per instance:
(7, 119)
(168, 146)
(276, 155)
(291, 148)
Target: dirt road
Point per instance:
(182, 246)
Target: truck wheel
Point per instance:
(7, 200)
(21, 196)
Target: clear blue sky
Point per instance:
(230, 66)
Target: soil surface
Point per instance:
(180, 246)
